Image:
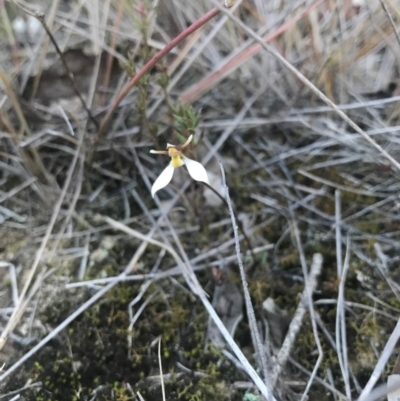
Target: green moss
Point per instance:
(98, 354)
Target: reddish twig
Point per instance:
(146, 68)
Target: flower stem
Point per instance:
(125, 90)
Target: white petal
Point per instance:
(163, 179)
(196, 170)
(187, 141)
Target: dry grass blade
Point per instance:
(393, 385)
(161, 371)
(257, 344)
(391, 20)
(310, 305)
(380, 366)
(341, 329)
(297, 319)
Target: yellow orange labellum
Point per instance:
(176, 161)
(176, 156)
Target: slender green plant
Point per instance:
(154, 60)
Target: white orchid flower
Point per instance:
(195, 169)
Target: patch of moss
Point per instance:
(93, 353)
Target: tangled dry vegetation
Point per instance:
(102, 286)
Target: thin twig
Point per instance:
(295, 324)
(161, 371)
(380, 366)
(113, 45)
(70, 76)
(319, 380)
(338, 232)
(262, 354)
(391, 20)
(246, 237)
(11, 38)
(341, 335)
(310, 308)
(134, 317)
